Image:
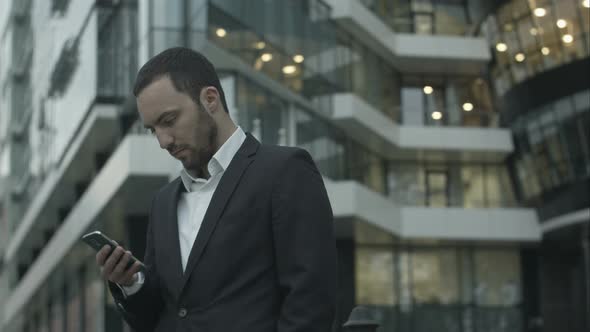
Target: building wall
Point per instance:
(85, 123)
(541, 57)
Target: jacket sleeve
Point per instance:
(305, 248)
(142, 309)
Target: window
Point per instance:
(60, 6)
(497, 277)
(375, 276)
(435, 277)
(437, 189)
(117, 50)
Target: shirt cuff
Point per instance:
(130, 290)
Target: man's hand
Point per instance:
(113, 266)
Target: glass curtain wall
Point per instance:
(529, 37)
(426, 17)
(449, 185)
(277, 121)
(439, 288)
(117, 49)
(454, 101)
(290, 41)
(368, 75)
(551, 144)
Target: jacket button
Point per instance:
(182, 313)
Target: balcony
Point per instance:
(412, 53)
(352, 201)
(95, 134)
(365, 123)
(128, 169)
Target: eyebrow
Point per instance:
(162, 116)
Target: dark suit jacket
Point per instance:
(264, 259)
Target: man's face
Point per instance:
(182, 127)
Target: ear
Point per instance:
(210, 99)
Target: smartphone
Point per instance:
(97, 240)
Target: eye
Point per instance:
(169, 121)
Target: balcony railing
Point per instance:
(423, 17)
(448, 117)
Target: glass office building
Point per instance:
(540, 73)
(434, 171)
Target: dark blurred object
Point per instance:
(361, 320)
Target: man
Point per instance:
(243, 239)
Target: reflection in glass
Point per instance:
(497, 275)
(375, 277)
(435, 277)
(437, 188)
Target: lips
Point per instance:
(175, 153)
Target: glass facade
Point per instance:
(424, 17)
(447, 101)
(529, 37)
(450, 184)
(440, 288)
(277, 121)
(117, 49)
(364, 73)
(290, 41)
(552, 148)
(332, 61)
(411, 286)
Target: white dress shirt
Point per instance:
(195, 201)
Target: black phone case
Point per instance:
(99, 240)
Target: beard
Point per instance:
(205, 152)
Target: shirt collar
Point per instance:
(220, 160)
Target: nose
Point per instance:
(166, 140)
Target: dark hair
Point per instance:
(188, 70)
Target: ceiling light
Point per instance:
(290, 69)
(266, 57)
(260, 45)
(298, 58)
(533, 31)
(428, 89)
(467, 107)
(501, 47)
(586, 3)
(436, 115)
(545, 50)
(561, 23)
(519, 57)
(221, 32)
(540, 12)
(567, 38)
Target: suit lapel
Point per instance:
(171, 235)
(221, 196)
